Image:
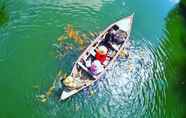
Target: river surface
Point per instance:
(134, 88)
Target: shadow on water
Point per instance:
(3, 13)
(174, 44)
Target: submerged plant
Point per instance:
(74, 35)
(64, 44)
(45, 96)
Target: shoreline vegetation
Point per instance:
(183, 2)
(182, 5)
(175, 46)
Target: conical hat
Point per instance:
(102, 50)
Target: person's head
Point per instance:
(115, 27)
(102, 50)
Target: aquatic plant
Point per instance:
(3, 13)
(45, 96)
(74, 35)
(63, 45)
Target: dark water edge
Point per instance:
(174, 45)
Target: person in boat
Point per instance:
(119, 37)
(96, 67)
(109, 36)
(101, 53)
(114, 36)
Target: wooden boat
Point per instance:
(87, 77)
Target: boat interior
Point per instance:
(89, 55)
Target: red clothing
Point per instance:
(101, 57)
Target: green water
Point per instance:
(153, 89)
